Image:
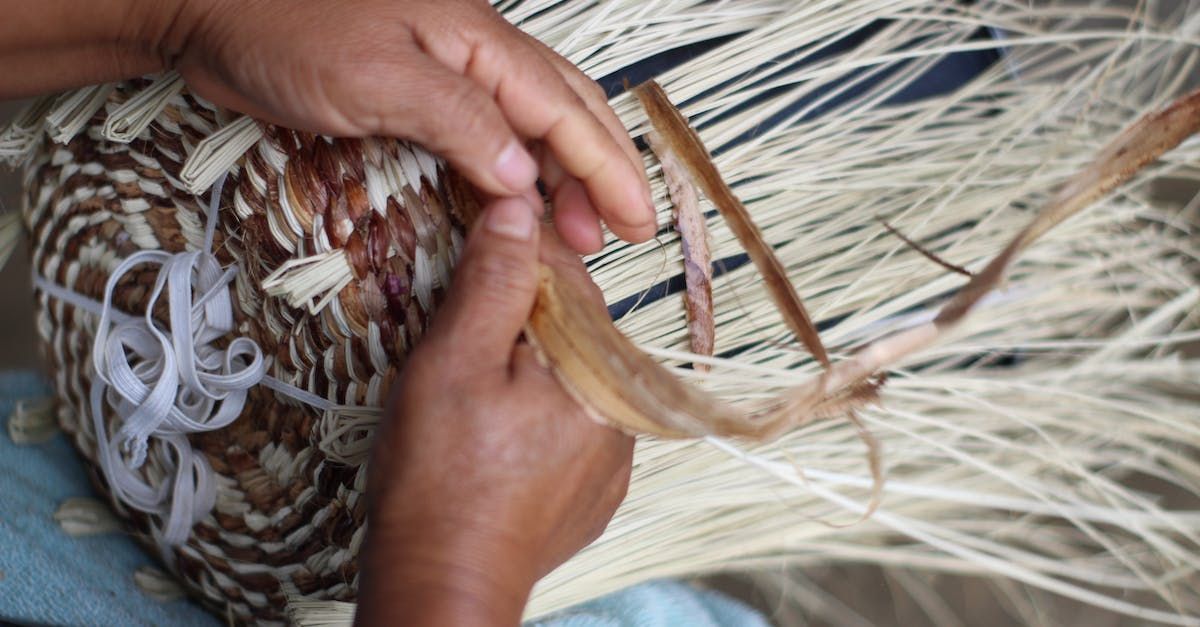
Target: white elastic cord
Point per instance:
(166, 383)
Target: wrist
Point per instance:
(423, 572)
(61, 44)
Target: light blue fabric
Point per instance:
(47, 576)
(658, 604)
(51, 578)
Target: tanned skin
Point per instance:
(486, 475)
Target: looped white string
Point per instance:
(165, 382)
(160, 383)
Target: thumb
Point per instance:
(494, 286)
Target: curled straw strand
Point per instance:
(623, 386)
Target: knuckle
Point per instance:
(460, 119)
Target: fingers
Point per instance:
(531, 196)
(505, 86)
(575, 218)
(539, 104)
(535, 200)
(494, 288)
(567, 265)
(464, 125)
(595, 99)
(581, 144)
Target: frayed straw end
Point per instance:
(33, 422)
(21, 137)
(309, 613)
(319, 277)
(157, 585)
(128, 121)
(80, 516)
(346, 435)
(72, 112)
(218, 153)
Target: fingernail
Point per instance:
(515, 168)
(511, 217)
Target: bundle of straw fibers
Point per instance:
(1050, 440)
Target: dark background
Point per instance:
(18, 348)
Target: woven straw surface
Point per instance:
(1019, 469)
(286, 514)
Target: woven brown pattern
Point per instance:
(287, 514)
(1028, 470)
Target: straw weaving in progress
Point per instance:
(224, 305)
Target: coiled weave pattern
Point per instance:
(288, 514)
(1017, 448)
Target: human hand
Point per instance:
(485, 475)
(452, 75)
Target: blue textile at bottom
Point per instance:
(47, 576)
(657, 604)
(51, 578)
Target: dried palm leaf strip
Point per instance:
(1135, 148)
(621, 385)
(925, 252)
(685, 144)
(697, 256)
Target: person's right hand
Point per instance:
(452, 75)
(485, 473)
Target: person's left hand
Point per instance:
(485, 474)
(452, 75)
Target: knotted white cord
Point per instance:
(164, 384)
